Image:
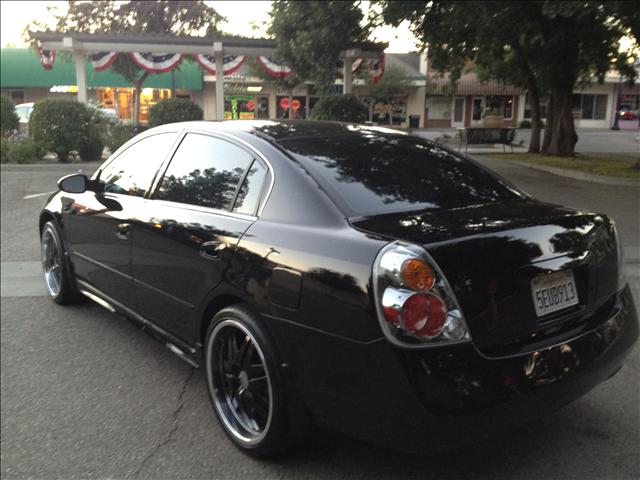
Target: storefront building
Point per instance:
(427, 101)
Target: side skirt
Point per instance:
(186, 352)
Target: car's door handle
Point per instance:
(122, 231)
(212, 249)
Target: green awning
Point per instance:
(20, 67)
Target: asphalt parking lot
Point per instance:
(86, 394)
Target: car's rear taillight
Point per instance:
(415, 304)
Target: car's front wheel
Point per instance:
(57, 277)
(247, 386)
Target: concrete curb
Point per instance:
(576, 175)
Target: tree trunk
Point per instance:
(534, 142)
(560, 136)
(138, 91)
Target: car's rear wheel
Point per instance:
(247, 385)
(57, 277)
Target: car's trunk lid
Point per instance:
(491, 253)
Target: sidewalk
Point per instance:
(589, 140)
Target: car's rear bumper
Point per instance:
(455, 395)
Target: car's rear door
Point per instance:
(98, 225)
(183, 242)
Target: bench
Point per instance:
(486, 136)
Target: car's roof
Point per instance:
(282, 130)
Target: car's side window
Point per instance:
(251, 190)
(205, 171)
(132, 172)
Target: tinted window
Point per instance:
(204, 171)
(371, 173)
(132, 172)
(251, 189)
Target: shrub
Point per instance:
(174, 110)
(4, 150)
(59, 126)
(92, 145)
(9, 120)
(121, 134)
(23, 150)
(342, 108)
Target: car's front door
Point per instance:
(98, 224)
(184, 240)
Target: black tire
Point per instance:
(237, 391)
(58, 279)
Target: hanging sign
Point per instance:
(231, 63)
(47, 57)
(273, 67)
(102, 60)
(295, 105)
(156, 62)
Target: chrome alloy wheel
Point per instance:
(240, 383)
(51, 262)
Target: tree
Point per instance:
(138, 16)
(311, 35)
(9, 120)
(547, 47)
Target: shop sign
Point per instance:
(64, 89)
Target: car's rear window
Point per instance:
(370, 173)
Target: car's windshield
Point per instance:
(371, 173)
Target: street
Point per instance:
(86, 394)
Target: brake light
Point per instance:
(415, 303)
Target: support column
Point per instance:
(217, 51)
(81, 75)
(347, 76)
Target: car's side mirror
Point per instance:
(74, 183)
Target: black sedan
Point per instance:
(358, 278)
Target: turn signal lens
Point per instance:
(424, 315)
(417, 275)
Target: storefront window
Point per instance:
(499, 106)
(297, 105)
(628, 106)
(439, 108)
(588, 106)
(122, 100)
(390, 112)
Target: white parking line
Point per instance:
(35, 195)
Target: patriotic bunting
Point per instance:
(165, 62)
(376, 68)
(274, 68)
(47, 57)
(156, 62)
(231, 63)
(102, 60)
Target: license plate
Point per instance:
(553, 291)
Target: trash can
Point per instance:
(414, 121)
